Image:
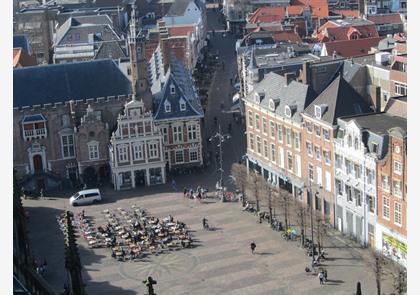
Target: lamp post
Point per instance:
(310, 186)
(221, 137)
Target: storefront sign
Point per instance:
(394, 248)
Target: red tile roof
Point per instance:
(347, 12)
(180, 31)
(286, 36)
(319, 8)
(267, 15)
(352, 48)
(22, 59)
(330, 31)
(380, 19)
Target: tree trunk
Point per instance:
(378, 276)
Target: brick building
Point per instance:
(391, 228)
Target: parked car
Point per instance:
(86, 197)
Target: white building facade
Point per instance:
(136, 149)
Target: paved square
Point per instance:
(221, 263)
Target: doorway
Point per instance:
(140, 177)
(38, 163)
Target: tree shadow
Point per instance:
(264, 253)
(334, 282)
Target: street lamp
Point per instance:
(310, 186)
(221, 137)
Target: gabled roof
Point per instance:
(178, 7)
(379, 123)
(351, 48)
(346, 12)
(180, 31)
(319, 8)
(340, 100)
(268, 15)
(274, 87)
(22, 59)
(389, 18)
(63, 82)
(180, 78)
(110, 50)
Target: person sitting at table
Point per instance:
(113, 254)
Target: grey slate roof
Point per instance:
(22, 42)
(64, 82)
(341, 100)
(275, 87)
(184, 88)
(178, 8)
(379, 123)
(110, 50)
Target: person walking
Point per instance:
(253, 246)
(174, 185)
(321, 278)
(41, 194)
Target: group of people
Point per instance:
(198, 193)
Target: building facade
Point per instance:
(136, 153)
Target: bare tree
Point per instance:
(241, 178)
(321, 230)
(302, 212)
(256, 182)
(285, 203)
(378, 261)
(268, 193)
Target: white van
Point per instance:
(86, 197)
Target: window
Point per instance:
(349, 167)
(67, 143)
(358, 196)
(374, 148)
(356, 143)
(318, 112)
(258, 145)
(386, 207)
(257, 122)
(123, 153)
(288, 137)
(297, 140)
(273, 153)
(349, 193)
(250, 119)
(385, 182)
(326, 134)
(93, 151)
(172, 88)
(369, 176)
(338, 161)
(251, 141)
(287, 111)
(396, 185)
(177, 133)
(319, 175)
(192, 132)
(400, 89)
(371, 201)
(179, 156)
(308, 127)
(153, 150)
(182, 105)
(290, 161)
(264, 120)
(397, 213)
(265, 149)
(397, 167)
(309, 148)
(317, 130)
(317, 153)
(349, 141)
(193, 155)
(328, 181)
(138, 151)
(65, 120)
(77, 36)
(167, 106)
(339, 186)
(397, 149)
(280, 133)
(272, 129)
(165, 134)
(357, 171)
(311, 172)
(327, 157)
(69, 37)
(34, 126)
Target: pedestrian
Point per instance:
(321, 278)
(253, 246)
(41, 193)
(185, 191)
(23, 192)
(44, 266)
(174, 185)
(325, 275)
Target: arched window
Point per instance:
(356, 143)
(349, 140)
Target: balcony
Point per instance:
(34, 133)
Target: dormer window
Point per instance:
(182, 105)
(272, 105)
(287, 111)
(172, 88)
(167, 106)
(258, 96)
(319, 111)
(34, 127)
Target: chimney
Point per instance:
(289, 78)
(306, 73)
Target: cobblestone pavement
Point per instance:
(221, 262)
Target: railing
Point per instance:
(34, 132)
